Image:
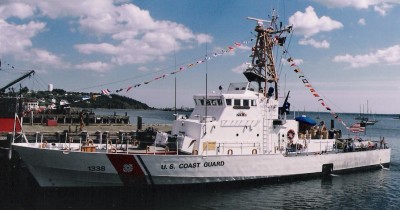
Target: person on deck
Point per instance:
(81, 121)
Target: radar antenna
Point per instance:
(262, 67)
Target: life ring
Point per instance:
(89, 142)
(166, 149)
(113, 150)
(230, 152)
(291, 134)
(254, 151)
(195, 152)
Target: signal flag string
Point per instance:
(182, 68)
(312, 90)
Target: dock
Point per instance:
(98, 133)
(70, 119)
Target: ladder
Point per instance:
(265, 134)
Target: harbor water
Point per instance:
(377, 189)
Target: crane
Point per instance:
(3, 89)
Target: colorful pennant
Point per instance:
(314, 92)
(187, 66)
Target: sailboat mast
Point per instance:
(176, 114)
(206, 101)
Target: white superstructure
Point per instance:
(241, 121)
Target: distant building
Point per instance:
(31, 105)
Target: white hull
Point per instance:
(75, 169)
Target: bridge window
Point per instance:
(253, 103)
(236, 102)
(228, 102)
(245, 102)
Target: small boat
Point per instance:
(237, 135)
(364, 119)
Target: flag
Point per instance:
(106, 91)
(356, 128)
(129, 88)
(316, 94)
(281, 41)
(237, 44)
(297, 70)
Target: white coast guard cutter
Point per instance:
(241, 134)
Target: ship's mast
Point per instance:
(262, 68)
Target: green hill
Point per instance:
(84, 100)
(113, 102)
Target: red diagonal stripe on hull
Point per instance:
(128, 168)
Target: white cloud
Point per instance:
(388, 56)
(44, 57)
(19, 10)
(133, 28)
(383, 8)
(241, 68)
(143, 68)
(380, 6)
(362, 22)
(98, 66)
(126, 32)
(309, 24)
(15, 39)
(314, 43)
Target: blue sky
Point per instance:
(348, 49)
